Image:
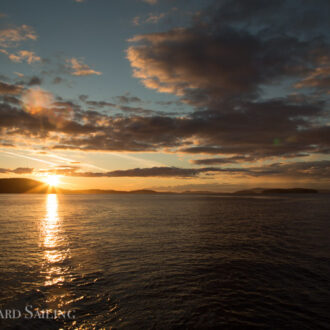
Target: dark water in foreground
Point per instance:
(143, 262)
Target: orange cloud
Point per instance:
(19, 74)
(29, 56)
(37, 101)
(12, 36)
(319, 78)
(81, 69)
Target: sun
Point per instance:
(52, 180)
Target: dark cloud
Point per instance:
(127, 98)
(221, 161)
(177, 103)
(305, 170)
(261, 129)
(169, 172)
(235, 49)
(207, 66)
(11, 99)
(16, 122)
(136, 110)
(9, 89)
(122, 108)
(34, 81)
(235, 159)
(147, 172)
(151, 172)
(202, 150)
(272, 16)
(97, 104)
(302, 170)
(223, 64)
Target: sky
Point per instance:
(166, 94)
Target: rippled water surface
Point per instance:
(166, 261)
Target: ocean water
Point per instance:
(165, 261)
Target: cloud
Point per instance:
(8, 89)
(22, 55)
(21, 75)
(259, 130)
(34, 81)
(224, 62)
(306, 170)
(36, 100)
(319, 170)
(123, 108)
(221, 161)
(169, 172)
(304, 16)
(127, 98)
(19, 170)
(11, 37)
(319, 79)
(141, 172)
(100, 104)
(149, 19)
(234, 50)
(154, 18)
(41, 104)
(81, 69)
(208, 67)
(11, 99)
(150, 2)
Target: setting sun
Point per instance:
(52, 180)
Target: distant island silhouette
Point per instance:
(26, 186)
(259, 191)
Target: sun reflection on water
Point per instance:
(51, 225)
(56, 254)
(52, 242)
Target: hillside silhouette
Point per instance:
(22, 185)
(29, 186)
